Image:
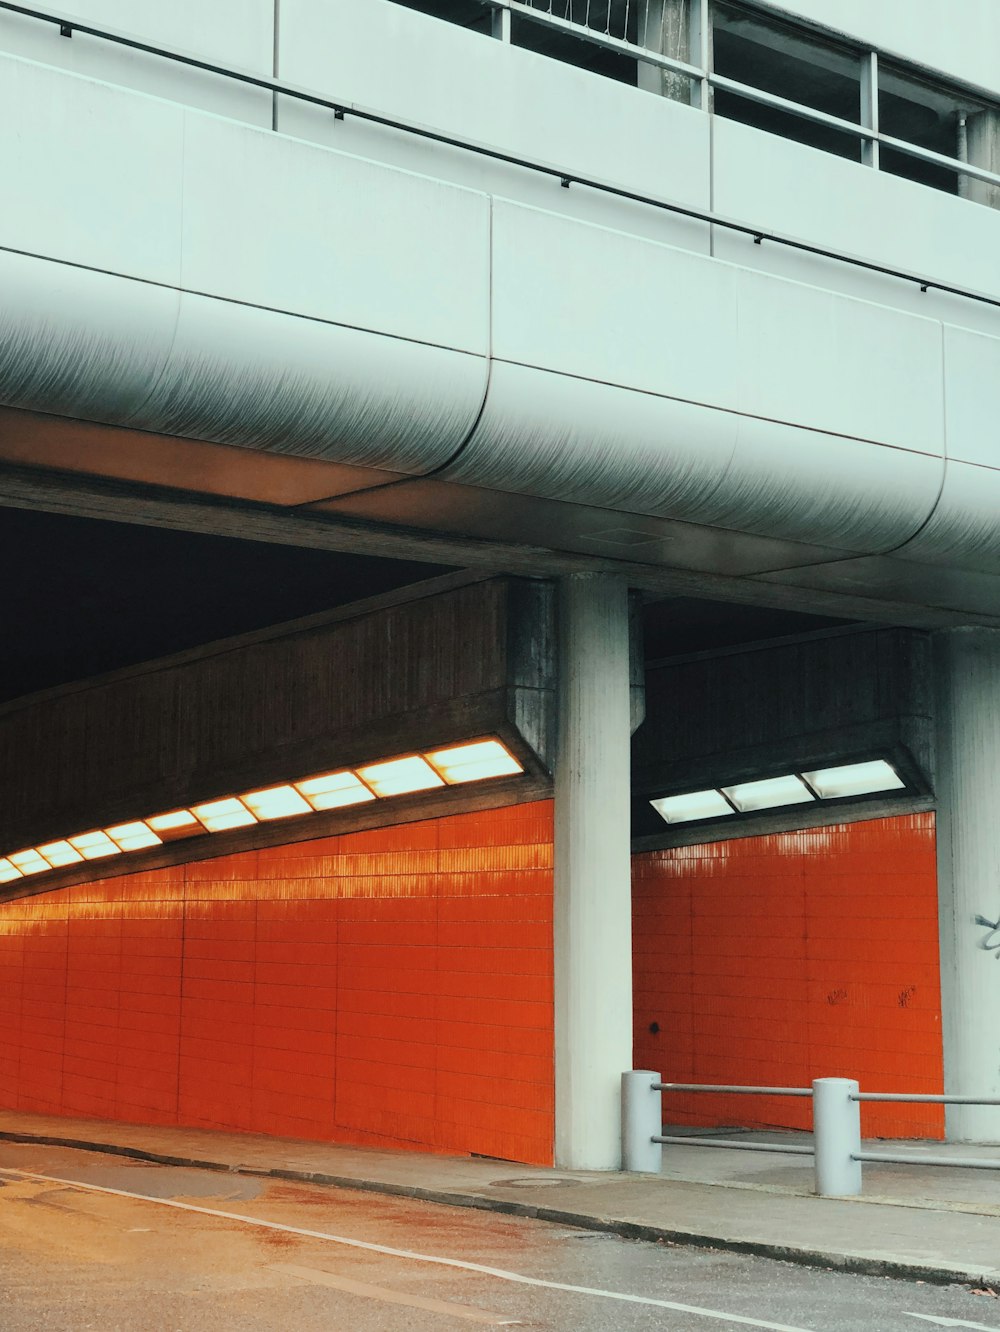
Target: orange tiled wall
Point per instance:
(390, 987)
(773, 960)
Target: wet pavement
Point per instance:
(125, 1246)
(928, 1223)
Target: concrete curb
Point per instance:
(862, 1264)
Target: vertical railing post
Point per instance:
(642, 1118)
(836, 1137)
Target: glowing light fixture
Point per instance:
(29, 862)
(95, 845)
(59, 854)
(694, 805)
(332, 790)
(218, 815)
(132, 836)
(178, 823)
(769, 793)
(400, 776)
(474, 762)
(854, 779)
(277, 802)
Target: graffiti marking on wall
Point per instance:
(990, 942)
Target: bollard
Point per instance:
(642, 1118)
(836, 1137)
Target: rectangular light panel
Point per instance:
(60, 853)
(854, 779)
(29, 862)
(474, 762)
(276, 802)
(95, 845)
(179, 822)
(219, 815)
(769, 793)
(693, 805)
(400, 776)
(132, 836)
(332, 790)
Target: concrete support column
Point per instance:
(968, 841)
(593, 902)
(982, 149)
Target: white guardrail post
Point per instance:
(836, 1137)
(642, 1119)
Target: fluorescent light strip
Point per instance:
(221, 815)
(771, 793)
(333, 790)
(95, 845)
(29, 862)
(854, 779)
(400, 776)
(694, 805)
(473, 761)
(782, 792)
(276, 802)
(59, 854)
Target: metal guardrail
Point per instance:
(69, 24)
(836, 1148)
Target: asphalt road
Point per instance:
(97, 1242)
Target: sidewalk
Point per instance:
(926, 1223)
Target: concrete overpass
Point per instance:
(284, 282)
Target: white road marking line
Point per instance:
(950, 1322)
(497, 1272)
(362, 1288)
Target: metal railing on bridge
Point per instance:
(836, 1147)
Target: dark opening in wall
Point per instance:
(464, 13)
(790, 64)
(571, 49)
(924, 114)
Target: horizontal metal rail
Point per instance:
(906, 1098)
(836, 1140)
(68, 24)
(783, 1148)
(632, 50)
(731, 1090)
(958, 1162)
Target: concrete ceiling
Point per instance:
(90, 596)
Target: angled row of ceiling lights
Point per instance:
(476, 761)
(795, 788)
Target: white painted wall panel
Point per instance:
(240, 375)
(292, 226)
(963, 532)
(467, 84)
(846, 366)
(574, 440)
(587, 301)
(787, 188)
(92, 174)
(231, 32)
(584, 301)
(75, 342)
(961, 38)
(972, 378)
